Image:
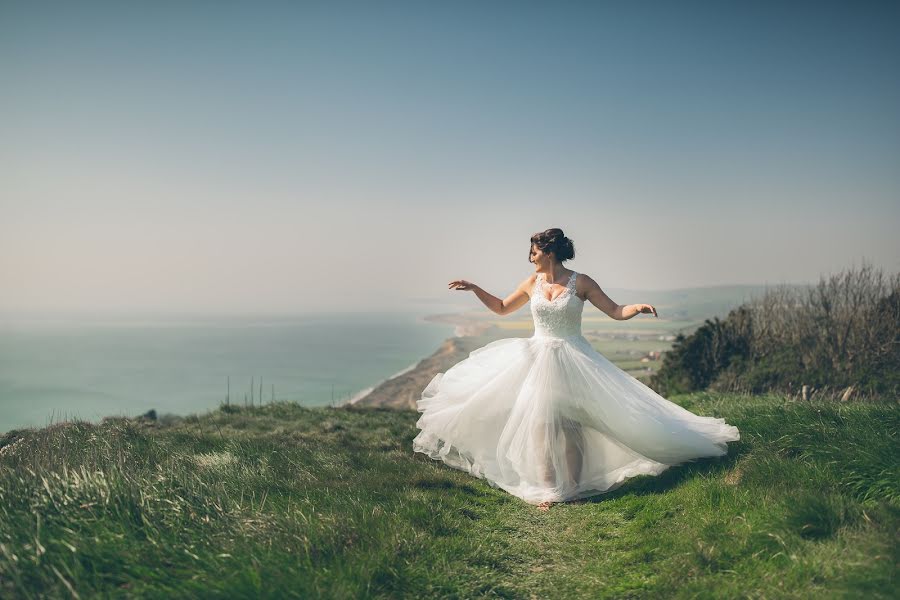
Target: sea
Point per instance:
(56, 369)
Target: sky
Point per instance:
(279, 157)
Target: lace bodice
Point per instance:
(560, 317)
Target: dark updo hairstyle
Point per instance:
(553, 240)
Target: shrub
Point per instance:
(844, 331)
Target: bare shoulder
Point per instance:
(585, 280)
(583, 284)
(528, 284)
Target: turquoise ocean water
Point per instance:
(58, 369)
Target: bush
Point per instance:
(843, 332)
(695, 361)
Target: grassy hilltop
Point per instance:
(286, 501)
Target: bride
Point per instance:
(548, 418)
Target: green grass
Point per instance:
(286, 501)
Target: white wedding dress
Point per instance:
(548, 418)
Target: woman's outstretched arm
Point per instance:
(510, 304)
(619, 312)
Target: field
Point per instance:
(285, 501)
(623, 343)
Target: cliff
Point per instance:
(403, 390)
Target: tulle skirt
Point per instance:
(552, 419)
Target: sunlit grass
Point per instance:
(286, 501)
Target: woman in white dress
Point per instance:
(548, 418)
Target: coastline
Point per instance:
(472, 330)
(466, 326)
(401, 390)
(363, 393)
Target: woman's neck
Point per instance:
(555, 272)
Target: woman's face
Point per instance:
(538, 257)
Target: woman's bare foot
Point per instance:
(545, 505)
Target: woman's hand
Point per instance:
(462, 285)
(646, 308)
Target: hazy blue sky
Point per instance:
(298, 156)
